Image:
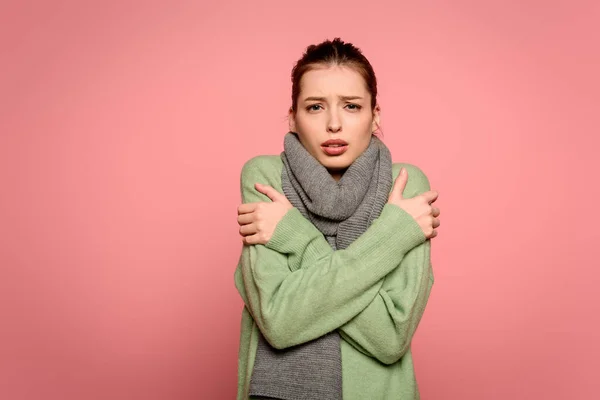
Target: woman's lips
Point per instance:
(335, 150)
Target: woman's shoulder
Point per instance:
(266, 166)
(417, 180)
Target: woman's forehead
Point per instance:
(333, 81)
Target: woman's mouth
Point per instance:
(334, 147)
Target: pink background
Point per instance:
(123, 129)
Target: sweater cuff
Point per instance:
(408, 231)
(293, 233)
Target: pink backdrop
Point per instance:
(123, 129)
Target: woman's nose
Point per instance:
(334, 124)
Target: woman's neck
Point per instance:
(337, 175)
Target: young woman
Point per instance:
(335, 269)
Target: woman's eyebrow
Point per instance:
(314, 98)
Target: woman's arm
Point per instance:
(293, 307)
(384, 329)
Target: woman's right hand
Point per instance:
(419, 207)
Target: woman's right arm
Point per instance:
(385, 327)
(293, 307)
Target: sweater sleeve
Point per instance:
(293, 306)
(384, 329)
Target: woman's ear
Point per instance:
(292, 120)
(376, 118)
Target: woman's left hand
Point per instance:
(258, 220)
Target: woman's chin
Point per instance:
(336, 165)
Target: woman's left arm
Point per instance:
(384, 329)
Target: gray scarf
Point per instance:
(342, 210)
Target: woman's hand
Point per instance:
(419, 207)
(258, 220)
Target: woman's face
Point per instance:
(334, 103)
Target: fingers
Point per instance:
(244, 219)
(400, 183)
(250, 240)
(247, 207)
(430, 196)
(249, 229)
(269, 191)
(435, 211)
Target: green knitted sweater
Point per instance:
(296, 288)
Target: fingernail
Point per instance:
(402, 170)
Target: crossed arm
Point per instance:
(374, 292)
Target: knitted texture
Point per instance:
(342, 211)
(297, 288)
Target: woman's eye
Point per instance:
(315, 107)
